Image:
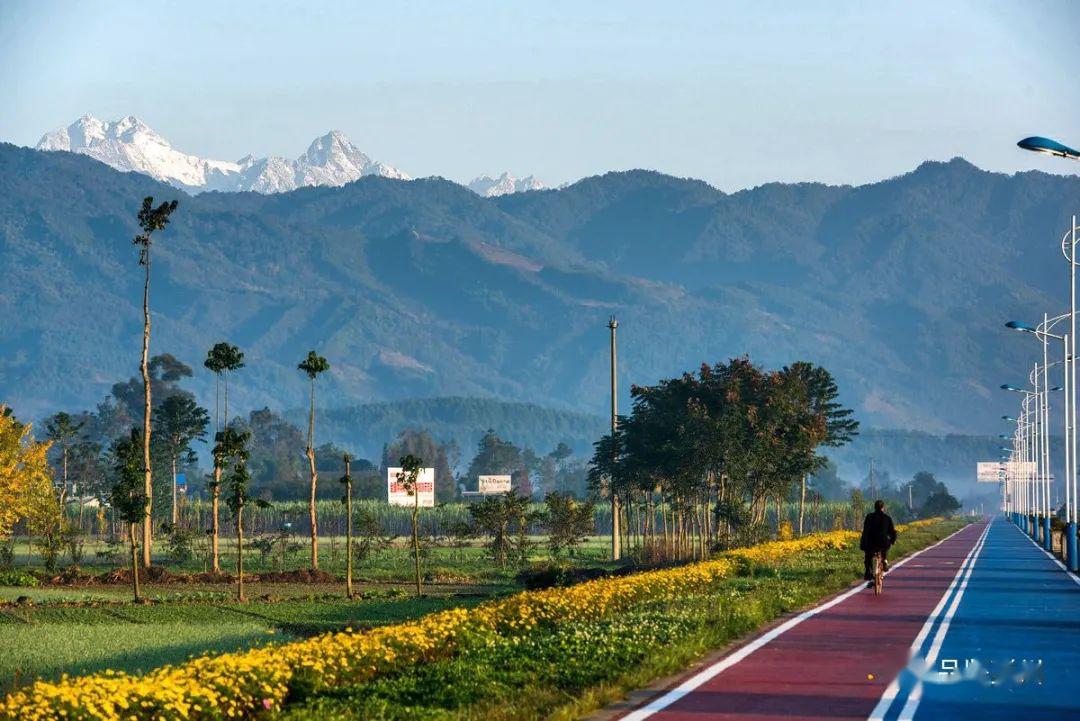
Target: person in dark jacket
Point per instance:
(878, 534)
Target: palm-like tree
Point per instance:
(313, 365)
(220, 359)
(151, 220)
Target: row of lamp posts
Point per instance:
(1026, 477)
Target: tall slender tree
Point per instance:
(221, 359)
(151, 220)
(181, 421)
(313, 365)
(62, 430)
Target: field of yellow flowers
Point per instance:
(258, 682)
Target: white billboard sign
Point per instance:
(396, 495)
(489, 485)
(990, 471)
(995, 471)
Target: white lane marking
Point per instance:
(1072, 576)
(893, 689)
(912, 705)
(661, 702)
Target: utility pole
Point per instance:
(615, 550)
(873, 491)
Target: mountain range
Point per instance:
(422, 288)
(130, 145)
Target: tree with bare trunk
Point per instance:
(347, 481)
(220, 359)
(151, 220)
(313, 365)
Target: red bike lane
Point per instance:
(832, 662)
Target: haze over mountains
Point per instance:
(130, 145)
(423, 288)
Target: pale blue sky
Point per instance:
(734, 93)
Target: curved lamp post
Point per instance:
(1049, 146)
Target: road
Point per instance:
(986, 602)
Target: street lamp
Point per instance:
(1040, 144)
(1043, 333)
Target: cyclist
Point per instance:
(878, 533)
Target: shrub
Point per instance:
(23, 579)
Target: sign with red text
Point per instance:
(398, 495)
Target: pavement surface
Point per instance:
(984, 625)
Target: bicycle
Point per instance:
(879, 573)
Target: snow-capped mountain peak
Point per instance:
(490, 187)
(129, 144)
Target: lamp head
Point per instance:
(1007, 387)
(1039, 144)
(1017, 325)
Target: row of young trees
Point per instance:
(230, 447)
(699, 457)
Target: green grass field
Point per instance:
(62, 635)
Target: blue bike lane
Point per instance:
(1006, 644)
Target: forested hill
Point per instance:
(421, 288)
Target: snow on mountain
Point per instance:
(489, 187)
(131, 145)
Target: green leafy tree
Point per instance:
(234, 455)
(408, 476)
(180, 421)
(939, 503)
(151, 220)
(569, 522)
(126, 498)
(312, 366)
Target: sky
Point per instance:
(736, 94)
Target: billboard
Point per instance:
(489, 485)
(990, 471)
(396, 495)
(994, 471)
